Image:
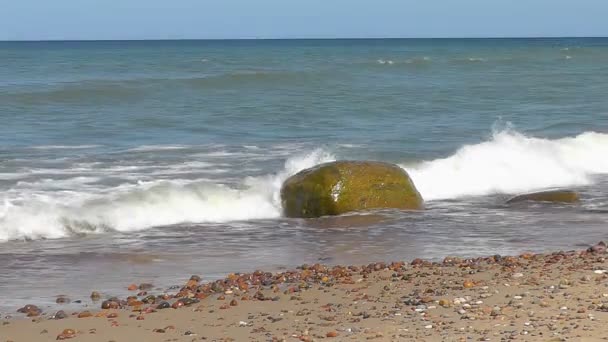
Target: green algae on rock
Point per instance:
(343, 186)
(553, 196)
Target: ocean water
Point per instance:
(149, 161)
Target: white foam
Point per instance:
(511, 163)
(382, 61)
(144, 204)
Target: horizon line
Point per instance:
(295, 38)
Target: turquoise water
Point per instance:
(173, 152)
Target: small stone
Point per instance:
(110, 304)
(85, 314)
(234, 302)
(163, 305)
(31, 310)
(332, 334)
(132, 287)
(66, 334)
(60, 315)
(95, 296)
(62, 300)
(145, 287)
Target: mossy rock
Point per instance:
(339, 187)
(552, 196)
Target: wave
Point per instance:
(64, 147)
(511, 162)
(128, 89)
(154, 148)
(508, 162)
(133, 207)
(415, 61)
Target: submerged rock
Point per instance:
(339, 187)
(553, 196)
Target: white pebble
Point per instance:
(428, 326)
(600, 271)
(517, 275)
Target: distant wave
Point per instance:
(128, 89)
(511, 162)
(63, 147)
(151, 148)
(415, 61)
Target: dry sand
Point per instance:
(551, 297)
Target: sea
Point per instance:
(148, 161)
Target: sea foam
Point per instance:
(132, 207)
(511, 162)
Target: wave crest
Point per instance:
(511, 162)
(139, 206)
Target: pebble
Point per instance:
(62, 300)
(60, 315)
(95, 296)
(67, 334)
(163, 305)
(85, 314)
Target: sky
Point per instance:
(235, 19)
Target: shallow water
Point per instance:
(127, 162)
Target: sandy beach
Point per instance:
(561, 296)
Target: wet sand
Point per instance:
(560, 296)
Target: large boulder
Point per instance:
(552, 196)
(339, 187)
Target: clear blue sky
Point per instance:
(179, 19)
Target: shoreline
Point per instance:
(547, 297)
